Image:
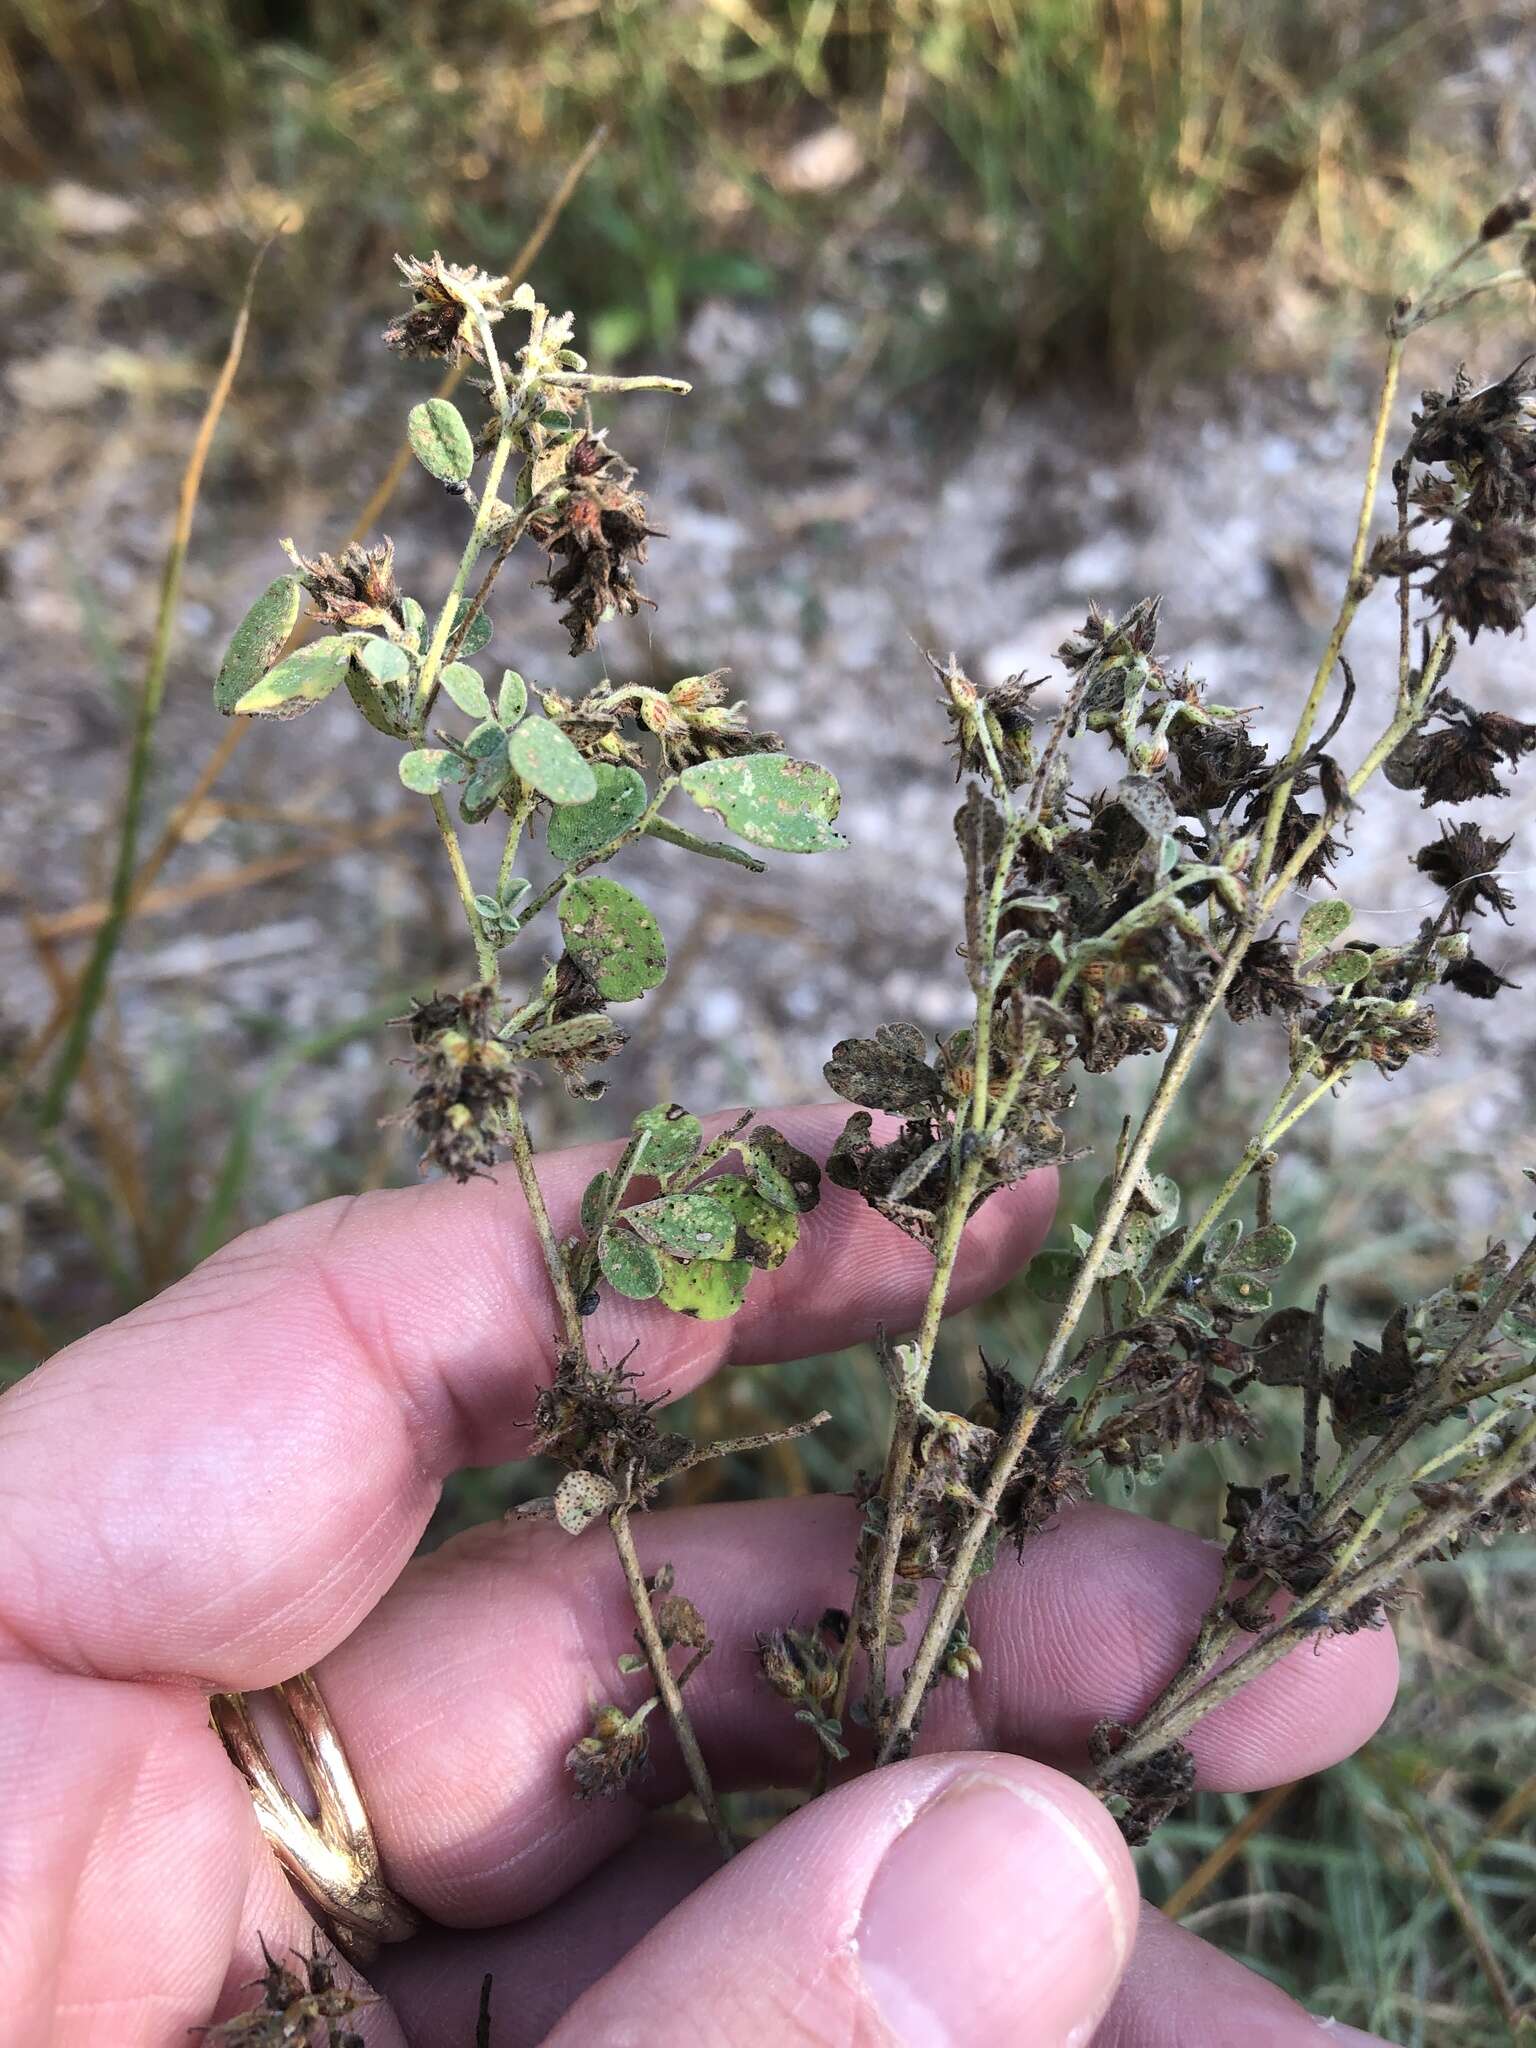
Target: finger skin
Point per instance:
(1181, 1993)
(949, 1902)
(459, 1696)
(1177, 1991)
(125, 1846)
(219, 1486)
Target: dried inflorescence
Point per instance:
(595, 539)
(301, 2008)
(466, 1081)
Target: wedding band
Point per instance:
(331, 1857)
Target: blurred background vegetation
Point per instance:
(1130, 199)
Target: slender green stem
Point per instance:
(509, 852)
(711, 849)
(549, 1244)
(92, 985)
(666, 1684)
(485, 952)
(1354, 592)
(596, 858)
(426, 682)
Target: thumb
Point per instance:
(943, 1902)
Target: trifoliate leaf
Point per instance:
(687, 1226)
(547, 762)
(612, 938)
(576, 830)
(296, 685)
(707, 1289)
(440, 440)
(467, 689)
(257, 641)
(629, 1266)
(427, 769)
(672, 1139)
(1321, 924)
(769, 800)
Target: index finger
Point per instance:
(220, 1485)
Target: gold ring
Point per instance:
(331, 1857)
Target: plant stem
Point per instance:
(92, 985)
(485, 952)
(426, 682)
(666, 1684)
(874, 1612)
(1354, 591)
(549, 1244)
(1163, 1724)
(520, 817)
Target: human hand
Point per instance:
(227, 1485)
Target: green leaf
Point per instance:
(1051, 1275)
(594, 1199)
(1241, 1291)
(257, 641)
(378, 702)
(511, 698)
(1343, 970)
(429, 769)
(467, 689)
(1162, 1191)
(305, 679)
(629, 1266)
(479, 634)
(672, 1139)
(765, 1236)
(769, 800)
(489, 779)
(441, 441)
(1321, 924)
(708, 1289)
(576, 830)
(547, 762)
(1269, 1249)
(486, 741)
(782, 1174)
(1223, 1241)
(415, 620)
(688, 1226)
(613, 938)
(384, 660)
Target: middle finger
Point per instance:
(459, 1695)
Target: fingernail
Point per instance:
(996, 1905)
(1340, 2036)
